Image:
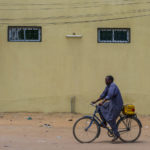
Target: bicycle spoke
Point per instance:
(129, 129)
(86, 130)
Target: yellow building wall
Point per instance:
(45, 76)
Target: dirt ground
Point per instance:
(19, 133)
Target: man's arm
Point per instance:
(102, 96)
(96, 100)
(109, 95)
(103, 102)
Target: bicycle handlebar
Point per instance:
(93, 104)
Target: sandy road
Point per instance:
(18, 133)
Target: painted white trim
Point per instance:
(74, 36)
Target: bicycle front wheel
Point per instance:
(129, 129)
(86, 130)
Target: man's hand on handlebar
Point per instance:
(94, 102)
(100, 104)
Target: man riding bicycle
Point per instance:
(111, 106)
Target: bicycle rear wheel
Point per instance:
(129, 129)
(86, 130)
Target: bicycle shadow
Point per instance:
(119, 142)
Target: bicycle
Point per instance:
(88, 128)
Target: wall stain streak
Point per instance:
(63, 6)
(75, 3)
(84, 21)
(78, 16)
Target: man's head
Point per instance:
(109, 79)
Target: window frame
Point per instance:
(25, 28)
(113, 29)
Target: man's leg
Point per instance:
(104, 123)
(114, 128)
(102, 117)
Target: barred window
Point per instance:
(24, 34)
(113, 35)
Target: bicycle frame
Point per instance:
(99, 121)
